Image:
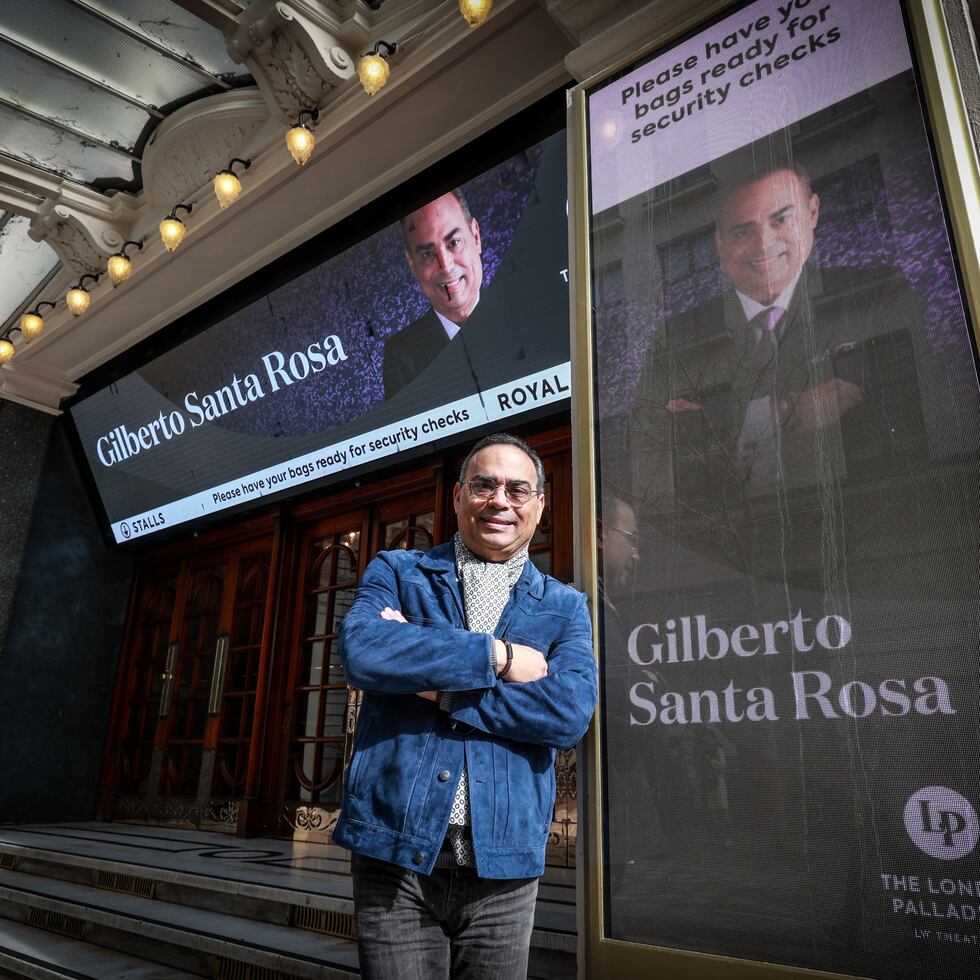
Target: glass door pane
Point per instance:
(154, 616)
(241, 672)
(192, 682)
(319, 692)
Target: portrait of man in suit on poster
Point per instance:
(776, 384)
(443, 251)
(494, 281)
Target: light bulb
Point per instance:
(373, 71)
(227, 187)
(6, 351)
(119, 268)
(475, 12)
(78, 300)
(30, 326)
(300, 143)
(172, 232)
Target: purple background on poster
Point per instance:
(871, 214)
(363, 295)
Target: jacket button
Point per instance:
(444, 776)
(418, 857)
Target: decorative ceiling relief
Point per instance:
(82, 242)
(297, 63)
(195, 142)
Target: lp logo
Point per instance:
(942, 823)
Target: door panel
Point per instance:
(190, 673)
(154, 614)
(322, 711)
(184, 735)
(331, 559)
(239, 678)
(406, 524)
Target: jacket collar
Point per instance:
(442, 561)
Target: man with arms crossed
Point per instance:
(475, 668)
(443, 249)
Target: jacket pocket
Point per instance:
(361, 733)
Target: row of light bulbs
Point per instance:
(119, 266)
(373, 71)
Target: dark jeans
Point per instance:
(447, 924)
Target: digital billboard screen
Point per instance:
(788, 445)
(453, 318)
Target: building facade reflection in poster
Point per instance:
(787, 435)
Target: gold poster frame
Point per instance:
(599, 957)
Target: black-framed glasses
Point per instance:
(518, 492)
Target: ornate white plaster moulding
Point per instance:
(357, 26)
(187, 150)
(81, 225)
(120, 318)
(191, 145)
(85, 227)
(297, 62)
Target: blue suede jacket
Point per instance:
(408, 753)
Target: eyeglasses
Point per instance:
(631, 536)
(518, 492)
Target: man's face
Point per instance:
(495, 529)
(619, 546)
(443, 251)
(765, 233)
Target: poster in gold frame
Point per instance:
(648, 954)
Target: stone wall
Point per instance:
(64, 614)
(23, 441)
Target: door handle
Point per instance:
(167, 691)
(218, 675)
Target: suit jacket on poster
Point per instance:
(408, 753)
(410, 351)
(858, 325)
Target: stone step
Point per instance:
(180, 937)
(267, 892)
(26, 951)
(300, 892)
(247, 900)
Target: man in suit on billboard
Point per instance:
(443, 249)
(474, 338)
(766, 422)
(763, 387)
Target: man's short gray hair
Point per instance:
(506, 439)
(456, 192)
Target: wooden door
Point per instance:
(187, 680)
(181, 732)
(321, 709)
(331, 558)
(150, 628)
(235, 693)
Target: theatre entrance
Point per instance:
(195, 643)
(232, 711)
